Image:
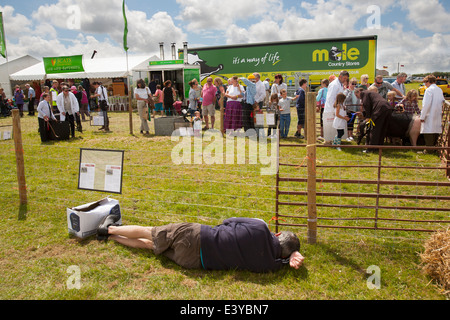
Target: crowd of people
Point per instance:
(18, 100)
(343, 104)
(241, 103)
(57, 102)
(341, 101)
(378, 106)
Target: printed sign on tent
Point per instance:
(63, 64)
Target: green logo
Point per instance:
(64, 64)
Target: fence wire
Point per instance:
(156, 191)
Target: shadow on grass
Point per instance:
(340, 259)
(268, 278)
(23, 209)
(216, 275)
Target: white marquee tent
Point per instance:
(97, 68)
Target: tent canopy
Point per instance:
(97, 68)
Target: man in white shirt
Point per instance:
(335, 87)
(399, 84)
(68, 106)
(45, 115)
(431, 115)
(260, 90)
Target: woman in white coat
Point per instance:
(142, 94)
(68, 107)
(431, 115)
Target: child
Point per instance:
(197, 124)
(272, 107)
(410, 104)
(321, 98)
(391, 99)
(285, 113)
(158, 99)
(300, 95)
(341, 119)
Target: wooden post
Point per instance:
(277, 188)
(222, 128)
(222, 111)
(311, 157)
(130, 107)
(17, 133)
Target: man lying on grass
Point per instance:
(237, 243)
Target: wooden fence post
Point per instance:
(221, 101)
(130, 107)
(17, 133)
(311, 157)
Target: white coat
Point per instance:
(334, 89)
(432, 110)
(73, 103)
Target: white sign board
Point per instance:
(101, 170)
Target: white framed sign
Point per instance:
(101, 170)
(6, 132)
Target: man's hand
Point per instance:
(296, 260)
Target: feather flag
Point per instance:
(125, 31)
(2, 37)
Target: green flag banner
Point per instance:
(165, 62)
(125, 30)
(2, 37)
(63, 64)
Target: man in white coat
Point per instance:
(431, 115)
(335, 87)
(68, 106)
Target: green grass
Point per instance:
(36, 250)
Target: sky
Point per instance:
(411, 33)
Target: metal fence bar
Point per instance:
(368, 218)
(359, 227)
(366, 195)
(353, 206)
(381, 182)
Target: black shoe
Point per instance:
(109, 220)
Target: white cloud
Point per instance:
(220, 15)
(417, 54)
(105, 17)
(429, 15)
(46, 32)
(309, 22)
(41, 35)
(330, 19)
(15, 24)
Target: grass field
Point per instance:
(36, 252)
